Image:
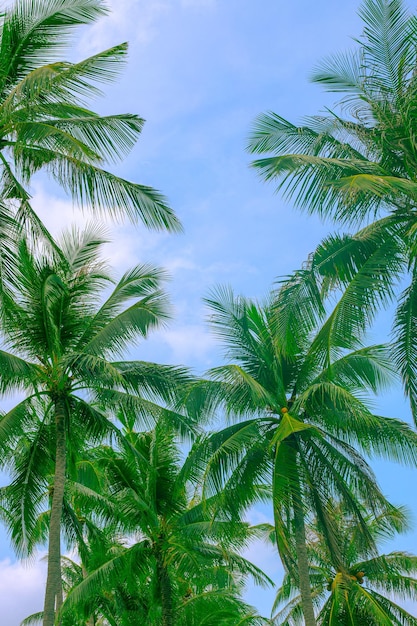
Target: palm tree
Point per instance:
(127, 601)
(61, 346)
(359, 167)
(96, 546)
(183, 567)
(45, 123)
(362, 592)
(298, 402)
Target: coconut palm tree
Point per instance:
(127, 601)
(358, 165)
(61, 343)
(183, 567)
(45, 123)
(298, 416)
(97, 545)
(363, 591)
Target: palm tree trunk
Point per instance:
(53, 593)
(166, 592)
(302, 559)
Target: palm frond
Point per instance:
(35, 33)
(153, 380)
(33, 620)
(104, 191)
(16, 373)
(405, 344)
(341, 73)
(346, 189)
(149, 310)
(58, 88)
(80, 248)
(389, 39)
(135, 321)
(299, 308)
(23, 500)
(104, 137)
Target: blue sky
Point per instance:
(199, 71)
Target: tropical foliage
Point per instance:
(360, 592)
(298, 401)
(62, 348)
(359, 166)
(45, 123)
(179, 565)
(113, 457)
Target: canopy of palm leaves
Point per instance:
(183, 567)
(299, 405)
(368, 586)
(45, 123)
(62, 343)
(357, 166)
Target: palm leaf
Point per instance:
(56, 88)
(16, 373)
(34, 33)
(103, 191)
(341, 73)
(405, 347)
(23, 499)
(389, 35)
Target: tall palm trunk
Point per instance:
(53, 593)
(302, 558)
(166, 592)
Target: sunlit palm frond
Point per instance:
(103, 191)
(35, 33)
(353, 166)
(341, 73)
(405, 341)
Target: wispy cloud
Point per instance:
(189, 343)
(128, 244)
(133, 20)
(198, 3)
(21, 590)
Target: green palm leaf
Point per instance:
(102, 190)
(34, 33)
(405, 341)
(353, 166)
(300, 410)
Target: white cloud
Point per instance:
(22, 590)
(136, 21)
(198, 3)
(57, 213)
(180, 263)
(128, 245)
(189, 343)
(133, 20)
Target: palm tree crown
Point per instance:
(183, 566)
(363, 591)
(45, 124)
(357, 166)
(298, 402)
(62, 344)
